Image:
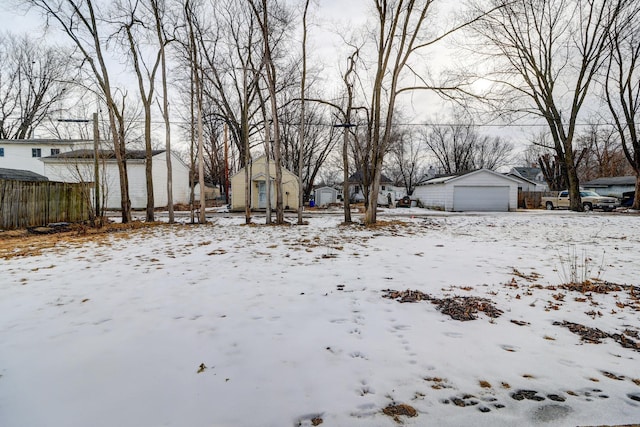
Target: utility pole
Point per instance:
(226, 165)
(96, 169)
(96, 164)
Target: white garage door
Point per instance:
(325, 198)
(492, 199)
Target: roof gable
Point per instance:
(465, 175)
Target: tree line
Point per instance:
(237, 78)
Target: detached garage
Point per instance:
(482, 190)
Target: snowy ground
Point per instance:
(230, 325)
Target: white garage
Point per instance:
(481, 190)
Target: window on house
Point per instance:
(55, 151)
(383, 188)
(357, 189)
(1, 152)
(36, 152)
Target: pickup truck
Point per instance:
(590, 200)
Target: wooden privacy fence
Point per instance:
(30, 204)
(533, 199)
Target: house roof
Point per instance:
(529, 173)
(102, 154)
(449, 178)
(357, 178)
(45, 141)
(610, 181)
(21, 175)
(520, 178)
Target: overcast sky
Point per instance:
(329, 20)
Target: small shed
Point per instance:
(258, 187)
(613, 186)
(480, 190)
(324, 196)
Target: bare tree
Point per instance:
(136, 39)
(458, 147)
(158, 8)
(406, 165)
(273, 19)
(80, 21)
(404, 29)
(303, 94)
(196, 72)
(35, 80)
(622, 86)
(315, 146)
(603, 154)
(546, 55)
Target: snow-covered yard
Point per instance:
(233, 325)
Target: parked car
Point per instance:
(627, 198)
(590, 200)
(405, 202)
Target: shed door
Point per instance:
(325, 198)
(491, 199)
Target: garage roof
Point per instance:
(449, 178)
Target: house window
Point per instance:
(357, 189)
(55, 151)
(1, 152)
(36, 152)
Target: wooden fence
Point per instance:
(31, 204)
(533, 199)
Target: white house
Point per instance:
(480, 190)
(25, 154)
(532, 174)
(524, 184)
(78, 166)
(387, 189)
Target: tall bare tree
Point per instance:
(81, 23)
(158, 8)
(546, 54)
(303, 104)
(622, 86)
(136, 38)
(195, 56)
(404, 30)
(273, 19)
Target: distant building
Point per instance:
(612, 186)
(78, 166)
(531, 174)
(258, 187)
(25, 154)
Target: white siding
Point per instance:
(18, 154)
(82, 171)
(431, 196)
(485, 178)
(441, 195)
